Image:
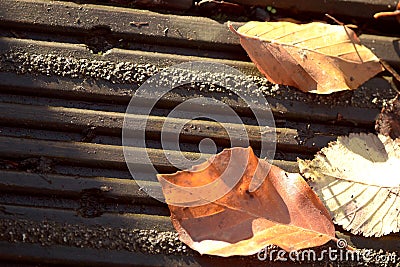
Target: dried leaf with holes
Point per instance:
(283, 210)
(388, 122)
(357, 177)
(314, 57)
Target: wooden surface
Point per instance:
(352, 8)
(70, 18)
(61, 155)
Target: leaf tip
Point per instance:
(231, 28)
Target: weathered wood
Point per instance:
(51, 191)
(79, 51)
(71, 17)
(171, 29)
(81, 154)
(352, 8)
(105, 156)
(57, 255)
(100, 90)
(87, 91)
(67, 186)
(165, 4)
(386, 48)
(66, 255)
(129, 220)
(161, 223)
(110, 123)
(38, 103)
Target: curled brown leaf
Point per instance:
(283, 210)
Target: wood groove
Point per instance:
(110, 123)
(96, 155)
(69, 186)
(86, 91)
(140, 221)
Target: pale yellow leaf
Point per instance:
(357, 177)
(314, 57)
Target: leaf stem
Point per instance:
(348, 34)
(387, 14)
(390, 69)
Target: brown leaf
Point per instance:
(314, 57)
(357, 178)
(388, 122)
(283, 210)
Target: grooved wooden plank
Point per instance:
(66, 255)
(106, 92)
(65, 88)
(126, 220)
(105, 156)
(159, 30)
(182, 30)
(386, 48)
(88, 202)
(81, 154)
(160, 223)
(68, 119)
(61, 185)
(26, 251)
(60, 255)
(287, 109)
(121, 93)
(79, 51)
(71, 17)
(353, 8)
(223, 133)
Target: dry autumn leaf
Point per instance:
(357, 178)
(388, 122)
(283, 210)
(314, 57)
